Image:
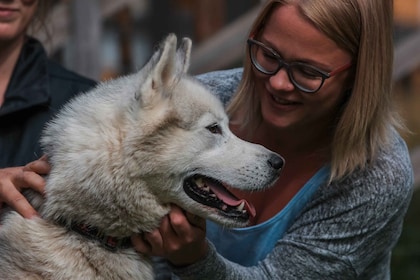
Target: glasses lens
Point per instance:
(306, 77)
(303, 76)
(264, 59)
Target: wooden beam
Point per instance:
(407, 12)
(58, 26)
(225, 47)
(209, 18)
(85, 37)
(407, 56)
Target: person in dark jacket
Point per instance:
(32, 90)
(37, 89)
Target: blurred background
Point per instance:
(103, 39)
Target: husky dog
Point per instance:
(120, 155)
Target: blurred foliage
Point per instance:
(405, 264)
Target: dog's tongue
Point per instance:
(229, 199)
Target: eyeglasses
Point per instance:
(305, 77)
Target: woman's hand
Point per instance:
(14, 179)
(181, 238)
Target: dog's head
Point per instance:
(132, 146)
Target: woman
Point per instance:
(316, 88)
(32, 89)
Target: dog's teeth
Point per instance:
(241, 206)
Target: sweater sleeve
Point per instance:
(347, 231)
(222, 83)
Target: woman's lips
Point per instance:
(283, 102)
(7, 13)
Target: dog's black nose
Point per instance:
(276, 162)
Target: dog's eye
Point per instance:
(214, 128)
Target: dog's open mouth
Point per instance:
(212, 193)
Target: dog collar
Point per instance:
(93, 233)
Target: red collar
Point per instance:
(108, 242)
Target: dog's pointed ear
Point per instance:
(165, 68)
(183, 56)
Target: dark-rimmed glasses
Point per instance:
(305, 77)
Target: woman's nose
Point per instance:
(281, 81)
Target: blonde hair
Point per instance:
(363, 28)
(40, 17)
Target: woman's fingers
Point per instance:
(40, 166)
(141, 245)
(18, 202)
(14, 179)
(179, 239)
(196, 221)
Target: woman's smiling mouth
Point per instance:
(7, 13)
(284, 102)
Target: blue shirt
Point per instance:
(247, 246)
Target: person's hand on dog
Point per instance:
(14, 179)
(181, 238)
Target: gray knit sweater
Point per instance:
(347, 230)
